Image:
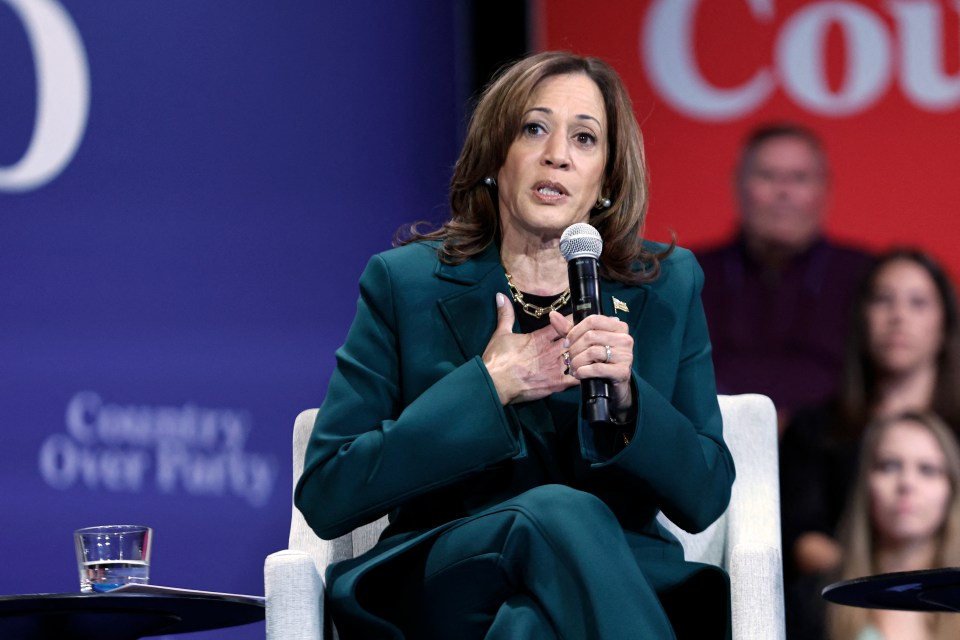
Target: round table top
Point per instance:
(124, 614)
(926, 590)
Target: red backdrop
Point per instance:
(878, 80)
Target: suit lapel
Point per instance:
(623, 302)
(471, 310)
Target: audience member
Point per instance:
(777, 296)
(902, 354)
(903, 515)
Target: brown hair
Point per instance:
(857, 532)
(496, 122)
(860, 380)
(774, 131)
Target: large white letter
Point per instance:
(668, 52)
(63, 95)
(82, 415)
(58, 461)
(921, 63)
(800, 58)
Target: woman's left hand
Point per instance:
(600, 347)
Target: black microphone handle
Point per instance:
(585, 297)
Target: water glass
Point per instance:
(113, 555)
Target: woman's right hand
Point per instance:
(524, 366)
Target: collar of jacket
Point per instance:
(471, 311)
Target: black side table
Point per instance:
(927, 590)
(123, 614)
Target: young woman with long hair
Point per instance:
(903, 354)
(903, 515)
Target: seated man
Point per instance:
(777, 296)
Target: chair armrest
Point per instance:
(754, 512)
(294, 594)
(756, 600)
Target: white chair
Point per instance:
(745, 540)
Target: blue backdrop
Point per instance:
(181, 233)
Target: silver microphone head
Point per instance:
(580, 240)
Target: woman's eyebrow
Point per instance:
(549, 111)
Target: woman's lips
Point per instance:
(550, 191)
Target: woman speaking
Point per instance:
(455, 405)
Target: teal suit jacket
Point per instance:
(412, 424)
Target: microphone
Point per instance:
(580, 246)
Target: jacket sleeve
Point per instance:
(368, 452)
(677, 453)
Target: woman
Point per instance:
(903, 516)
(455, 403)
(902, 355)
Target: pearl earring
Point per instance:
(489, 181)
(603, 203)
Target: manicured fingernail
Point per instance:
(566, 343)
(501, 299)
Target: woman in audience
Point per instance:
(903, 354)
(902, 516)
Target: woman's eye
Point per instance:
(919, 302)
(886, 466)
(931, 470)
(533, 129)
(586, 139)
(880, 299)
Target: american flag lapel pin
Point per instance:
(620, 305)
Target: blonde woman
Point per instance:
(903, 515)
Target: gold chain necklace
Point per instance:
(532, 309)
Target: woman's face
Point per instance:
(553, 172)
(905, 319)
(909, 486)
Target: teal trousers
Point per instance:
(551, 563)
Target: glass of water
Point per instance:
(112, 556)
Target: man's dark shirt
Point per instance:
(780, 333)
